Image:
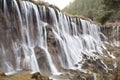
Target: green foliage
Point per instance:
(106, 16)
(100, 10)
(87, 8)
(112, 4)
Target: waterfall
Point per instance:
(6, 65)
(73, 43)
(66, 41)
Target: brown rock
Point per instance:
(2, 74)
(39, 52)
(38, 76)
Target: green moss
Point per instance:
(24, 76)
(19, 76)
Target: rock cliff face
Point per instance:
(112, 34)
(39, 38)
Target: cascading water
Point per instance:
(6, 65)
(27, 24)
(73, 43)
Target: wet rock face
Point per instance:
(112, 33)
(54, 50)
(8, 31)
(39, 52)
(53, 46)
(42, 60)
(107, 31)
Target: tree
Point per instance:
(111, 8)
(88, 8)
(100, 10)
(112, 4)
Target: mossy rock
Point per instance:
(18, 76)
(2, 74)
(78, 77)
(38, 76)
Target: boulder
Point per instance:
(2, 74)
(38, 76)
